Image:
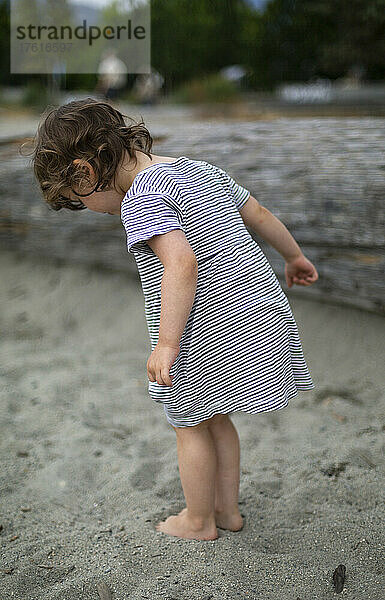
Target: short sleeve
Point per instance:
(146, 215)
(239, 193)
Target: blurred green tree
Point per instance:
(4, 42)
(288, 40)
(300, 39)
(190, 39)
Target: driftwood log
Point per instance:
(323, 178)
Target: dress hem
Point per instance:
(249, 412)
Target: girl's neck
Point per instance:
(129, 170)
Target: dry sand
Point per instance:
(89, 461)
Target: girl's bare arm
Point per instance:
(270, 228)
(178, 286)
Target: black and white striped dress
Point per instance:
(240, 349)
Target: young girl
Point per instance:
(222, 333)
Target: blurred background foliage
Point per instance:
(275, 41)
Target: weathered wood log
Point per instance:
(323, 178)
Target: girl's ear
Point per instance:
(85, 166)
(88, 170)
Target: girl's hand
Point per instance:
(160, 362)
(301, 271)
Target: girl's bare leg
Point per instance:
(227, 447)
(197, 464)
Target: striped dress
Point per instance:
(240, 349)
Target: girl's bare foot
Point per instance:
(181, 526)
(231, 521)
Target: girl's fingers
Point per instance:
(159, 379)
(302, 278)
(165, 377)
(160, 375)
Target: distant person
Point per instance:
(147, 87)
(223, 335)
(112, 75)
(233, 73)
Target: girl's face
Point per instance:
(107, 201)
(110, 201)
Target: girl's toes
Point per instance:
(158, 527)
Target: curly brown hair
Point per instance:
(90, 130)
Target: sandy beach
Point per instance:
(89, 463)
